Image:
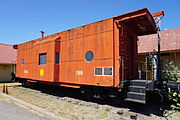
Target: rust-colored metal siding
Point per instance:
(96, 37)
(111, 40)
(30, 53)
(73, 44)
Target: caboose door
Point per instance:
(57, 60)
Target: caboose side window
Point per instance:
(89, 56)
(22, 61)
(57, 57)
(108, 71)
(98, 71)
(42, 58)
(103, 71)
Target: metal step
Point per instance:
(138, 83)
(135, 100)
(135, 95)
(138, 89)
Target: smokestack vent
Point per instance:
(42, 32)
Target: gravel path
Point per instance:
(67, 103)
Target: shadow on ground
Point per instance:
(154, 106)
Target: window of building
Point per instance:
(22, 61)
(42, 58)
(57, 57)
(89, 56)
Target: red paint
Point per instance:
(110, 40)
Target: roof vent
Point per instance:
(42, 32)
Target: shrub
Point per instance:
(171, 72)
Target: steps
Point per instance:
(135, 95)
(138, 83)
(134, 100)
(137, 91)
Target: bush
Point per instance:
(171, 72)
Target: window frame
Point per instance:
(103, 68)
(39, 63)
(95, 71)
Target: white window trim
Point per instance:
(108, 67)
(95, 71)
(103, 71)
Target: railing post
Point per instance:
(122, 68)
(146, 68)
(152, 68)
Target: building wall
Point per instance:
(166, 57)
(178, 59)
(5, 72)
(169, 41)
(170, 47)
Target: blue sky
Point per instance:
(22, 20)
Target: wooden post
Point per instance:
(4, 88)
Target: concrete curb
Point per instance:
(35, 108)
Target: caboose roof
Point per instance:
(141, 21)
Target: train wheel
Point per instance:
(87, 92)
(25, 83)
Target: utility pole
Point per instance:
(159, 57)
(158, 16)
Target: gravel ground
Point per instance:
(67, 103)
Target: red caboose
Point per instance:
(103, 53)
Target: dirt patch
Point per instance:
(76, 109)
(9, 84)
